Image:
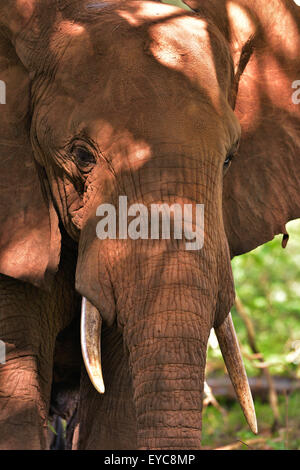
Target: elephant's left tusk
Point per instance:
(230, 349)
(90, 331)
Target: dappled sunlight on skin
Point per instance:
(135, 151)
(264, 77)
(68, 30)
(84, 46)
(71, 28)
(138, 153)
(246, 23)
(65, 31)
(291, 42)
(268, 74)
(154, 111)
(243, 27)
(180, 56)
(149, 11)
(273, 30)
(174, 39)
(272, 77)
(143, 90)
(267, 62)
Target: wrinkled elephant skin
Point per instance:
(148, 102)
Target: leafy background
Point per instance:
(268, 285)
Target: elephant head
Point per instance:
(136, 99)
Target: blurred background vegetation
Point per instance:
(267, 313)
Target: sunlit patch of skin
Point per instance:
(113, 143)
(243, 26)
(101, 131)
(69, 36)
(289, 44)
(140, 152)
(70, 28)
(267, 74)
(149, 11)
(275, 85)
(172, 46)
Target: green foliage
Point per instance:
(51, 428)
(267, 282)
(177, 3)
(232, 429)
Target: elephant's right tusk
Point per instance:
(90, 331)
(230, 349)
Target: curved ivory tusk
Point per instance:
(230, 349)
(90, 331)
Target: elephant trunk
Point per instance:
(166, 330)
(167, 364)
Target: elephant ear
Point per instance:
(261, 189)
(29, 234)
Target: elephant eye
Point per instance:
(230, 156)
(228, 161)
(83, 156)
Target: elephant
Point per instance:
(161, 105)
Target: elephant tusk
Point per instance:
(230, 349)
(90, 332)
